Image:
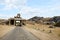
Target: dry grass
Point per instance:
(57, 31)
(45, 28)
(4, 29)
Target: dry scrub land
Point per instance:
(39, 30)
(53, 32)
(4, 29)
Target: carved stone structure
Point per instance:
(17, 20)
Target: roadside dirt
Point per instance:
(41, 35)
(4, 29)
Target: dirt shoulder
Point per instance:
(41, 35)
(4, 29)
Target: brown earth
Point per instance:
(4, 29)
(45, 31)
(40, 31)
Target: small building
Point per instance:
(17, 20)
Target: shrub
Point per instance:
(57, 24)
(51, 26)
(59, 35)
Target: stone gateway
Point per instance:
(17, 20)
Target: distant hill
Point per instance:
(57, 20)
(36, 19)
(54, 20)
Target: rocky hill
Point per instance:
(57, 20)
(36, 19)
(54, 20)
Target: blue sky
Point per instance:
(29, 8)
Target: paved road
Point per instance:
(19, 34)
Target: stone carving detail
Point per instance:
(18, 16)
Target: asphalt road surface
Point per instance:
(19, 34)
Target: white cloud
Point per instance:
(4, 16)
(10, 4)
(46, 12)
(30, 11)
(21, 5)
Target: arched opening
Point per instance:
(12, 22)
